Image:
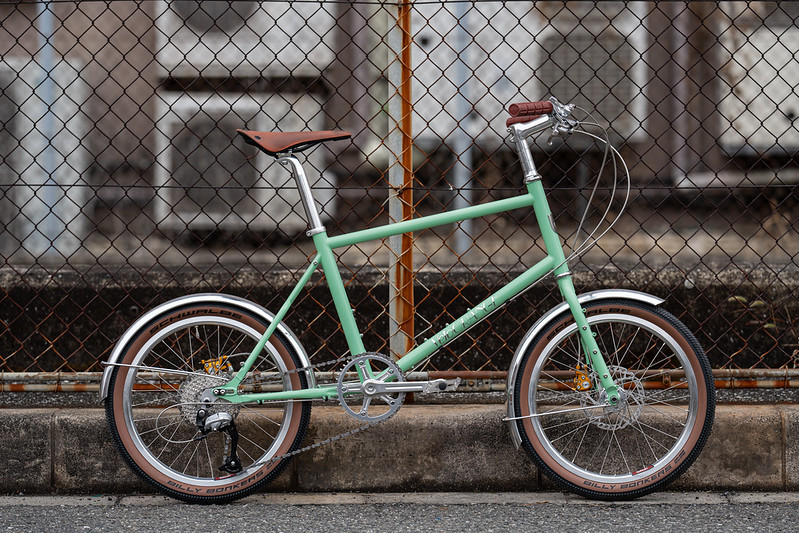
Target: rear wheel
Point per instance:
(655, 432)
(172, 430)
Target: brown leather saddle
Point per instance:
(275, 143)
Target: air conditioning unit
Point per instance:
(591, 54)
(245, 38)
(42, 159)
(760, 102)
(208, 179)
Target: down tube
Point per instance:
(476, 314)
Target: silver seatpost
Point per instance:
(306, 195)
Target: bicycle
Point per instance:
(208, 396)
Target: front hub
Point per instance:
(626, 411)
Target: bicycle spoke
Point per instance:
(610, 444)
(582, 440)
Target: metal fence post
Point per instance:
(45, 223)
(462, 141)
(400, 177)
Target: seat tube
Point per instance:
(341, 302)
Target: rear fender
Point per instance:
(209, 298)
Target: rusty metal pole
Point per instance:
(400, 177)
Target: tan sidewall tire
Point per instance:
(666, 472)
(237, 483)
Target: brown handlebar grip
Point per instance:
(530, 108)
(518, 120)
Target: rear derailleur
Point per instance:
(225, 423)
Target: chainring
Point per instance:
(372, 367)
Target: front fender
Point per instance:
(206, 298)
(543, 323)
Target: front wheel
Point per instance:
(171, 429)
(655, 432)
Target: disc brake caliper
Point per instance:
(581, 380)
(216, 366)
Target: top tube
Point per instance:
(431, 221)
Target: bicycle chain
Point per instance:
(328, 440)
(334, 438)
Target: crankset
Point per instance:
(383, 383)
(378, 371)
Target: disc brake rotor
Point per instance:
(626, 412)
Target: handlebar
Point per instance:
(557, 113)
(526, 111)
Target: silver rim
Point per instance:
(629, 443)
(159, 421)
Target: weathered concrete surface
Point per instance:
(745, 451)
(424, 448)
(445, 447)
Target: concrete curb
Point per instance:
(453, 448)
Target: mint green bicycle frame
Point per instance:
(554, 261)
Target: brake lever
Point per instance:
(564, 125)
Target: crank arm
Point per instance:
(539, 415)
(372, 387)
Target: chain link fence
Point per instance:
(123, 184)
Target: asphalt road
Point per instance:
(671, 512)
